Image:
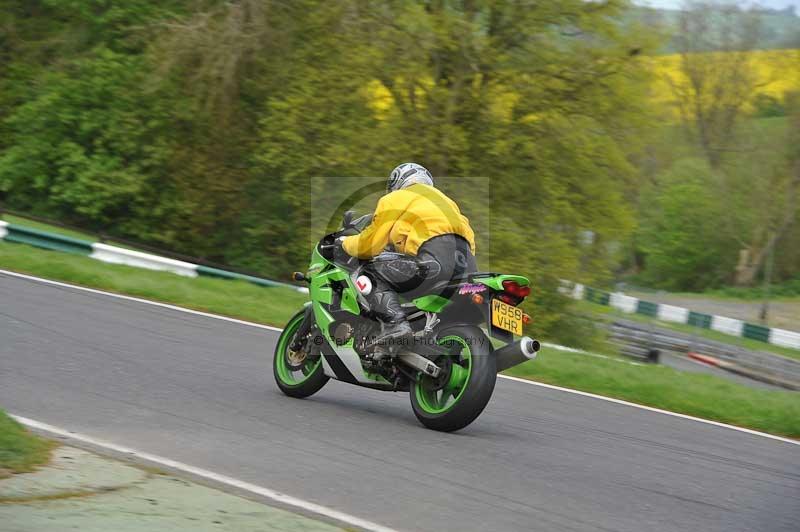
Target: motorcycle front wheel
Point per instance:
(459, 394)
(297, 373)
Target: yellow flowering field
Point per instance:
(775, 71)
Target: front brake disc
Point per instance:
(295, 359)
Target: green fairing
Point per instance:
(496, 282)
(317, 263)
(431, 303)
(322, 293)
(349, 300)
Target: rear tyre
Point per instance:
(458, 396)
(297, 373)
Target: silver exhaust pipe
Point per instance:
(516, 353)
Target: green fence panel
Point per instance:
(698, 319)
(214, 272)
(756, 332)
(647, 308)
(43, 239)
(596, 296)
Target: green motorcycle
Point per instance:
(449, 367)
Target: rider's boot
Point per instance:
(395, 325)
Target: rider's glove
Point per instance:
(339, 254)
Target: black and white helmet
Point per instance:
(407, 174)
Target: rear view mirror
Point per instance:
(347, 220)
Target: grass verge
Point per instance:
(695, 394)
(704, 396)
(20, 451)
(272, 305)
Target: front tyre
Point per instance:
(298, 372)
(459, 394)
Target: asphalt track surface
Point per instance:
(200, 390)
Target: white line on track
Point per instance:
(651, 409)
(515, 379)
(209, 475)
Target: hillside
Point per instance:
(780, 28)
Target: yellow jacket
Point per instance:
(406, 218)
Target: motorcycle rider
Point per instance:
(432, 240)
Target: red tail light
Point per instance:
(513, 288)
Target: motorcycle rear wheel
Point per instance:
(458, 396)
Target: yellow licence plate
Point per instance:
(506, 317)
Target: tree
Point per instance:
(543, 100)
(772, 198)
(83, 146)
(679, 231)
(715, 87)
(200, 126)
(717, 77)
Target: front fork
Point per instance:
(302, 332)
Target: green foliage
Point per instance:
(767, 106)
(680, 230)
(201, 127)
(84, 145)
(487, 91)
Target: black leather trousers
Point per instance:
(439, 260)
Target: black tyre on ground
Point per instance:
(458, 396)
(297, 374)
